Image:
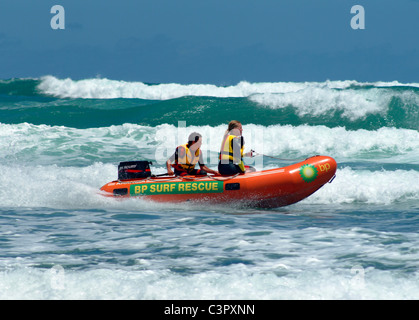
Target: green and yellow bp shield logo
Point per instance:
(308, 172)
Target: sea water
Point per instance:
(60, 238)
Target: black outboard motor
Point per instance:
(131, 170)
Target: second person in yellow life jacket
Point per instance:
(231, 153)
(187, 156)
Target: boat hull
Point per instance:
(267, 188)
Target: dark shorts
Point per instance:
(193, 172)
(229, 168)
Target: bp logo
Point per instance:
(308, 172)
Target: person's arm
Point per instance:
(169, 164)
(236, 145)
(203, 166)
(248, 154)
(239, 144)
(208, 170)
(169, 168)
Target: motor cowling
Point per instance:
(131, 170)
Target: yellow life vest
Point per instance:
(185, 161)
(227, 154)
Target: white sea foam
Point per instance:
(117, 284)
(386, 144)
(108, 89)
(50, 144)
(78, 187)
(36, 160)
(354, 104)
(312, 263)
(368, 187)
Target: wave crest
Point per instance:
(109, 89)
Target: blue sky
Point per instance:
(218, 41)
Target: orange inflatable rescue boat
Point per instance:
(268, 188)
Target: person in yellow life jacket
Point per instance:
(187, 156)
(231, 153)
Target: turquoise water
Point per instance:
(61, 140)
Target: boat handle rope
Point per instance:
(211, 177)
(188, 178)
(254, 153)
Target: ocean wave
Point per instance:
(62, 145)
(78, 187)
(369, 187)
(353, 104)
(332, 103)
(254, 284)
(109, 89)
(102, 102)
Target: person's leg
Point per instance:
(198, 172)
(228, 168)
(194, 172)
(180, 173)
